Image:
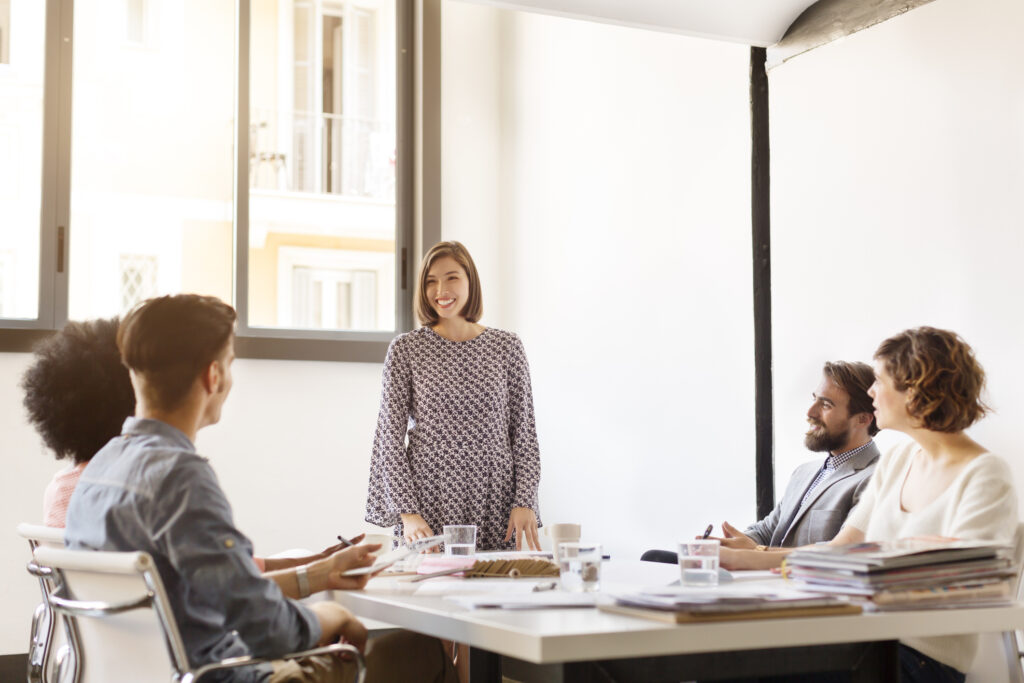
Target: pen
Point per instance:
(345, 543)
(707, 532)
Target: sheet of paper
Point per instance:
(497, 587)
(547, 599)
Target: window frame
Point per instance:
(417, 116)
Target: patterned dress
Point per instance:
(456, 441)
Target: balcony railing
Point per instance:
(322, 153)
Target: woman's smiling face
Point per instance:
(447, 287)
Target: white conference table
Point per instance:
(584, 644)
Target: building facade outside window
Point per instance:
(152, 189)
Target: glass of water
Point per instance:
(698, 562)
(459, 539)
(580, 566)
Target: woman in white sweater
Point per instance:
(942, 483)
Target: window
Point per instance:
(135, 21)
(270, 182)
(5, 31)
(6, 282)
(21, 154)
(322, 171)
(335, 289)
(138, 279)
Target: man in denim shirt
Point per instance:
(148, 490)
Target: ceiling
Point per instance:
(751, 22)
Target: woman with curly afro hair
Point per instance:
(78, 394)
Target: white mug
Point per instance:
(561, 533)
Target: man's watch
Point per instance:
(302, 578)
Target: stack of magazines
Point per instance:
(911, 573)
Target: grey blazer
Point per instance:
(789, 525)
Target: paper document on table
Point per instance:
(532, 600)
(442, 586)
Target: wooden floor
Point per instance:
(13, 668)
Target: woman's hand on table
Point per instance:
(732, 559)
(523, 524)
(414, 527)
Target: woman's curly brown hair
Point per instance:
(77, 391)
(941, 375)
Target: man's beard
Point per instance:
(824, 440)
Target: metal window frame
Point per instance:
(417, 202)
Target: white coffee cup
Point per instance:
(386, 541)
(561, 533)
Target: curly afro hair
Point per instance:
(77, 391)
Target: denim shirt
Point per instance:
(148, 490)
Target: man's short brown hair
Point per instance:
(168, 341)
(941, 375)
(474, 307)
(855, 378)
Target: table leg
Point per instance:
(484, 666)
(880, 664)
(876, 662)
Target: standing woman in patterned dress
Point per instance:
(455, 441)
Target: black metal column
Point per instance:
(760, 221)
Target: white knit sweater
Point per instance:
(980, 504)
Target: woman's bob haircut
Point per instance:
(940, 374)
(474, 308)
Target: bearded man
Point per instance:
(820, 494)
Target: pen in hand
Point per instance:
(707, 532)
(345, 543)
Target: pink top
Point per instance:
(58, 494)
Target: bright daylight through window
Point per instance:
(21, 151)
(152, 187)
(322, 166)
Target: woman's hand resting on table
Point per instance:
(414, 527)
(523, 523)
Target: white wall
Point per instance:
(618, 248)
(897, 178)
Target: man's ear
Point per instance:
(864, 419)
(211, 377)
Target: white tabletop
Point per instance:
(577, 634)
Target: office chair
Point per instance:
(48, 642)
(120, 624)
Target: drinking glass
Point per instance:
(698, 562)
(580, 566)
(459, 539)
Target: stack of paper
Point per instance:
(682, 604)
(910, 573)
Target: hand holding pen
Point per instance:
(735, 539)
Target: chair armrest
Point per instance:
(236, 662)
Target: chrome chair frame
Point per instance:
(52, 563)
(44, 621)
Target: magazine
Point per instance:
(906, 552)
